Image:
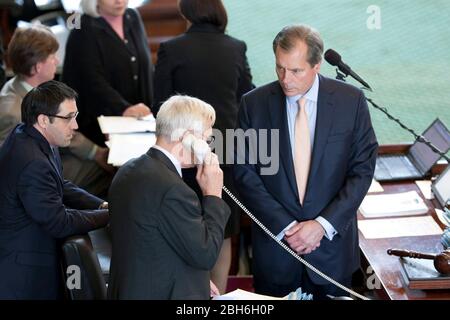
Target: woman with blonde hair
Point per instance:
(108, 63)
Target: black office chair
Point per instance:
(92, 254)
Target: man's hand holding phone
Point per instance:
(210, 176)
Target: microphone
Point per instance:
(334, 58)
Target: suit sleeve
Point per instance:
(343, 207)
(37, 189)
(250, 186)
(195, 232)
(84, 62)
(77, 198)
(163, 78)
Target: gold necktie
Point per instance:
(302, 157)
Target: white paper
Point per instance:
(399, 227)
(425, 188)
(391, 205)
(240, 294)
(148, 117)
(110, 125)
(124, 147)
(375, 186)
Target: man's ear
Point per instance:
(317, 67)
(36, 69)
(43, 121)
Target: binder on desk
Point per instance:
(419, 159)
(393, 205)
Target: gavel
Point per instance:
(441, 261)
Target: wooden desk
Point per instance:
(387, 268)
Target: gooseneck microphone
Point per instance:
(334, 58)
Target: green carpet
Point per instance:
(407, 61)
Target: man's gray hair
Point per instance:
(182, 113)
(287, 38)
(89, 7)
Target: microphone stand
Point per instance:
(419, 137)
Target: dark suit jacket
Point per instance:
(108, 74)
(163, 241)
(206, 64)
(343, 162)
(36, 207)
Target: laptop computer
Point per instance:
(441, 187)
(419, 159)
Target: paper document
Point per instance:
(149, 117)
(110, 125)
(425, 188)
(123, 147)
(375, 186)
(391, 205)
(399, 227)
(240, 294)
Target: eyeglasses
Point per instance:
(67, 118)
(210, 140)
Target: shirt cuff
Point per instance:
(330, 231)
(92, 153)
(280, 236)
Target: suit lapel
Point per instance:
(278, 120)
(325, 114)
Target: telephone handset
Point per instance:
(200, 149)
(198, 146)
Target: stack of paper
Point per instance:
(128, 137)
(240, 294)
(391, 205)
(398, 227)
(124, 147)
(126, 124)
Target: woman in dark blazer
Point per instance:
(108, 63)
(206, 63)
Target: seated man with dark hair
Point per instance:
(37, 206)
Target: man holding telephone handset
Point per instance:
(164, 241)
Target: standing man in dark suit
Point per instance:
(164, 241)
(326, 152)
(37, 206)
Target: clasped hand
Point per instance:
(304, 237)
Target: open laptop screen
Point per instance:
(422, 156)
(441, 187)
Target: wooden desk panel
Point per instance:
(387, 268)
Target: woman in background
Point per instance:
(108, 63)
(207, 64)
